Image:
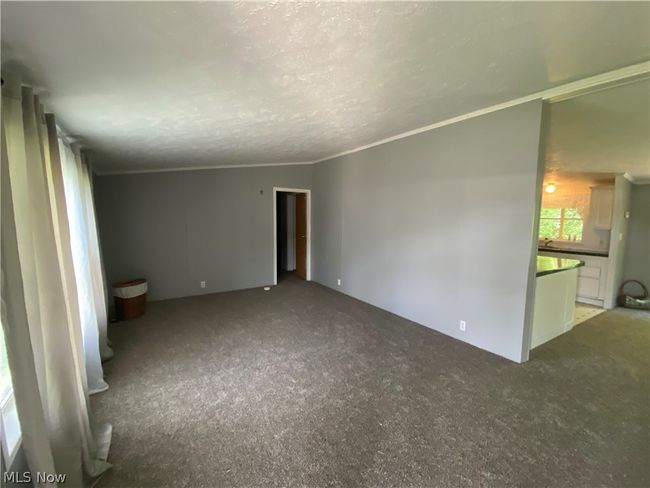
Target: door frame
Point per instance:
(307, 193)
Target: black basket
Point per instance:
(633, 301)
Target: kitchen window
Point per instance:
(560, 224)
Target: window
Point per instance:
(562, 224)
(5, 379)
(9, 424)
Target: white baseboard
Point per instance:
(590, 301)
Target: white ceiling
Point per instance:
(148, 85)
(602, 132)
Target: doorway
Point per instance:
(291, 233)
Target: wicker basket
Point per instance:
(130, 298)
(633, 301)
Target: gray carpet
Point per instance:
(304, 386)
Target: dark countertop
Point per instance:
(602, 254)
(548, 265)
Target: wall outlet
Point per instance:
(620, 236)
(203, 284)
(463, 325)
(338, 281)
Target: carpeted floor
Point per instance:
(304, 386)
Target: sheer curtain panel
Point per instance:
(83, 253)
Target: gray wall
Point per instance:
(180, 228)
(637, 251)
(618, 239)
(438, 227)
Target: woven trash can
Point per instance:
(130, 298)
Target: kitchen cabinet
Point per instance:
(592, 277)
(601, 206)
(592, 280)
(555, 302)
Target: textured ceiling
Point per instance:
(603, 132)
(148, 85)
(572, 184)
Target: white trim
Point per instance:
(598, 86)
(629, 177)
(199, 168)
(556, 94)
(592, 301)
(635, 180)
(277, 189)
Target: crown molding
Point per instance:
(567, 91)
(197, 168)
(644, 180)
(637, 180)
(559, 93)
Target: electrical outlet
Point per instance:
(620, 236)
(463, 325)
(338, 282)
(203, 284)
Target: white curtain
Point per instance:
(95, 265)
(86, 264)
(53, 348)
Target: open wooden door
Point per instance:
(301, 235)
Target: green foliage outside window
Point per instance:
(560, 224)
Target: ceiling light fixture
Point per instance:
(550, 188)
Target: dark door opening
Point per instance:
(291, 235)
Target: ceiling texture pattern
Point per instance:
(602, 132)
(148, 85)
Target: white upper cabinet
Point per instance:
(602, 203)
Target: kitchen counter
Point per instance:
(548, 265)
(584, 252)
(592, 278)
